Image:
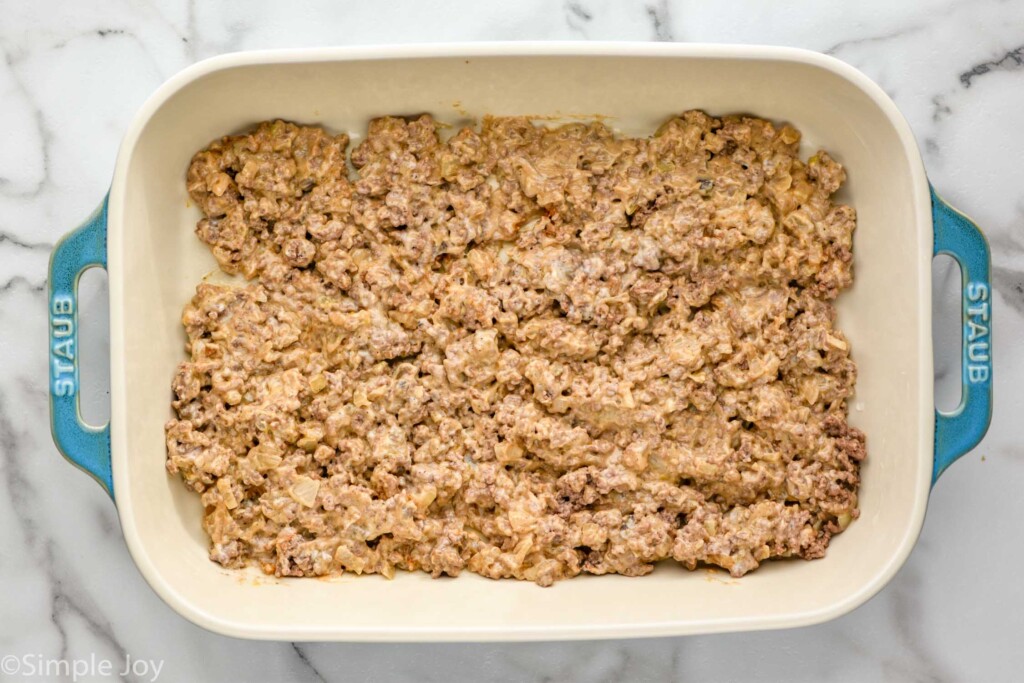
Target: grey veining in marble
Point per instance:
(72, 74)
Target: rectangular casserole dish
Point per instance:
(143, 234)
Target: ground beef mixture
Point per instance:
(518, 350)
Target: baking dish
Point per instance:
(143, 235)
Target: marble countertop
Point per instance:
(72, 76)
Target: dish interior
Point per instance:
(156, 261)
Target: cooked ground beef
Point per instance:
(524, 351)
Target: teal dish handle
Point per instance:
(960, 430)
(84, 446)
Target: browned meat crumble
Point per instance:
(524, 352)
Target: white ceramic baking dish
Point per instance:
(144, 236)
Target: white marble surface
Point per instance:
(71, 77)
